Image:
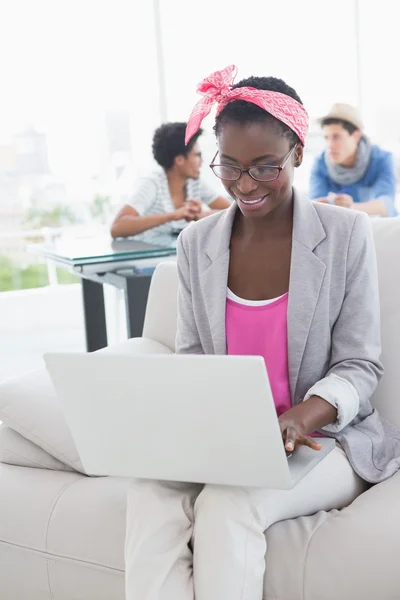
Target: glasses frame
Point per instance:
(278, 169)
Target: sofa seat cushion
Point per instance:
(68, 533)
(66, 530)
(349, 554)
(29, 406)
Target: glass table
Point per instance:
(126, 264)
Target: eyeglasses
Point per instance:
(258, 172)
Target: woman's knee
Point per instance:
(216, 502)
(162, 497)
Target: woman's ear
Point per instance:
(298, 156)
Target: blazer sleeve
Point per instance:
(355, 367)
(187, 337)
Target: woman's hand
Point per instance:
(293, 432)
(195, 209)
(183, 212)
(190, 211)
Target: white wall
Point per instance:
(49, 319)
(80, 59)
(309, 46)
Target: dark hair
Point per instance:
(169, 142)
(240, 111)
(345, 124)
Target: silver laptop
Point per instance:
(203, 419)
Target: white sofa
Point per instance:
(62, 533)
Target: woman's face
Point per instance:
(256, 144)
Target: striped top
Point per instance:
(151, 196)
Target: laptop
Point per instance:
(203, 419)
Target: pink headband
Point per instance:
(218, 88)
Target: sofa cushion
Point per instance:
(17, 450)
(65, 531)
(29, 406)
(347, 554)
(161, 316)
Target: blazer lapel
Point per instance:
(306, 275)
(215, 278)
(215, 285)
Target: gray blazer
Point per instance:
(333, 319)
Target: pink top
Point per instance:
(260, 329)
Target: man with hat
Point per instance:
(352, 173)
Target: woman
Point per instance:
(306, 278)
(165, 201)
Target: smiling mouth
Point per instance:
(253, 201)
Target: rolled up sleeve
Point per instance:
(342, 395)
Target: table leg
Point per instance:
(136, 293)
(94, 315)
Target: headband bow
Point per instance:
(218, 88)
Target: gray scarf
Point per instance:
(349, 175)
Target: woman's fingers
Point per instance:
(290, 436)
(293, 438)
(306, 440)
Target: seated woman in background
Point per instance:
(166, 200)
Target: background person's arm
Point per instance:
(319, 183)
(384, 188)
(372, 207)
(208, 197)
(132, 218)
(219, 203)
(128, 222)
(197, 210)
(383, 191)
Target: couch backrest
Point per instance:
(161, 311)
(161, 315)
